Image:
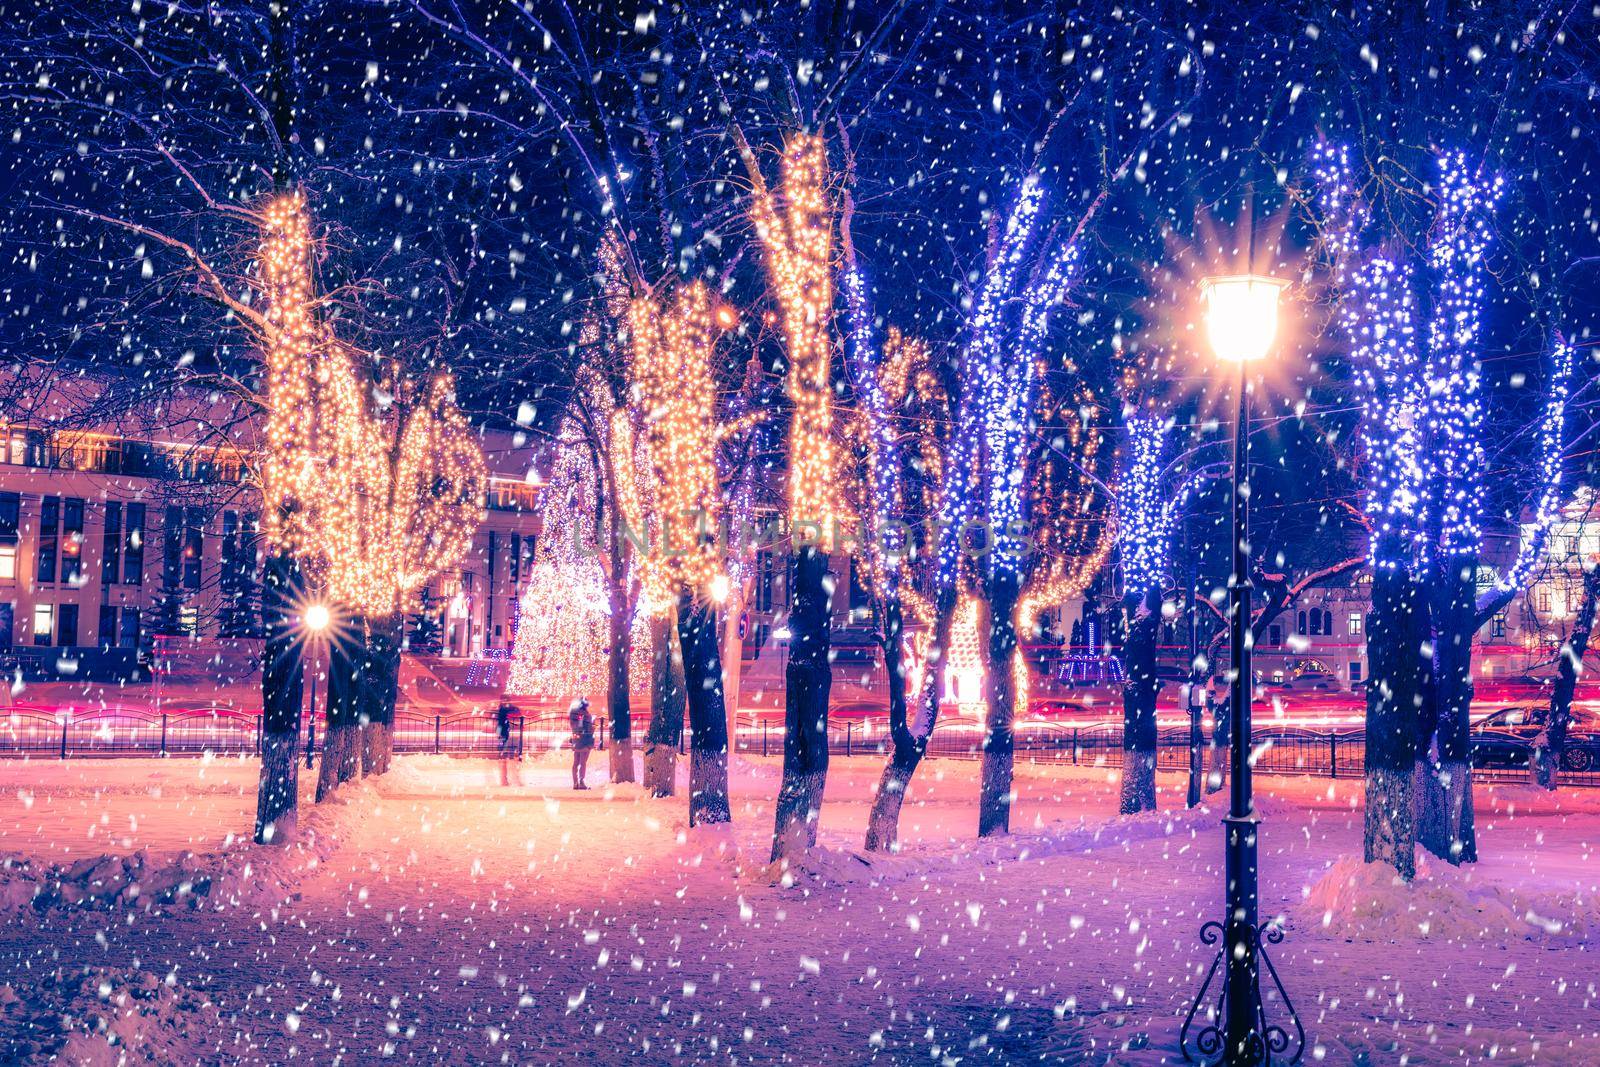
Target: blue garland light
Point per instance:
(1423, 406)
(1144, 519)
(1454, 375)
(999, 385)
(1551, 427)
(1377, 312)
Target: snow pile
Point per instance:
(750, 769)
(241, 874)
(97, 1016)
(838, 867)
(1371, 902)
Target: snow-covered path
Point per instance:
(459, 920)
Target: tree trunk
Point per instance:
(1141, 629)
(666, 709)
(1546, 758)
(708, 725)
(1000, 681)
(347, 659)
(1445, 824)
(808, 679)
(732, 666)
(621, 713)
(379, 696)
(1393, 692)
(910, 739)
(1221, 742)
(282, 681)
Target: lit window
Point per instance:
(8, 561)
(44, 623)
(1356, 623)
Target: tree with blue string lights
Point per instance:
(1151, 494)
(1413, 320)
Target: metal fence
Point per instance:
(41, 731)
(1277, 750)
(73, 733)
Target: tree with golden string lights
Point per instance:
(674, 342)
(794, 225)
(372, 500)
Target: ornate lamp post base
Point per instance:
(1264, 1042)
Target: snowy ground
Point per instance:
(439, 916)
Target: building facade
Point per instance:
(113, 537)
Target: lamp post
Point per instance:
(1191, 693)
(315, 619)
(1241, 322)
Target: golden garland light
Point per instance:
(438, 500)
(372, 508)
(636, 500)
(618, 447)
(675, 389)
(289, 473)
(798, 240)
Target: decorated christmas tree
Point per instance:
(560, 648)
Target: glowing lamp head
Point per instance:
(1242, 315)
(317, 618)
(720, 587)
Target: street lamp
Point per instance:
(317, 618)
(314, 620)
(1241, 323)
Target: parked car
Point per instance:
(1309, 682)
(1505, 737)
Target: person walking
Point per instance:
(582, 741)
(508, 749)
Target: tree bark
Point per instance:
(1445, 822)
(1000, 679)
(1141, 628)
(708, 725)
(618, 708)
(1394, 633)
(910, 739)
(379, 696)
(1221, 744)
(347, 660)
(1547, 758)
(282, 681)
(808, 679)
(283, 585)
(666, 709)
(732, 665)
